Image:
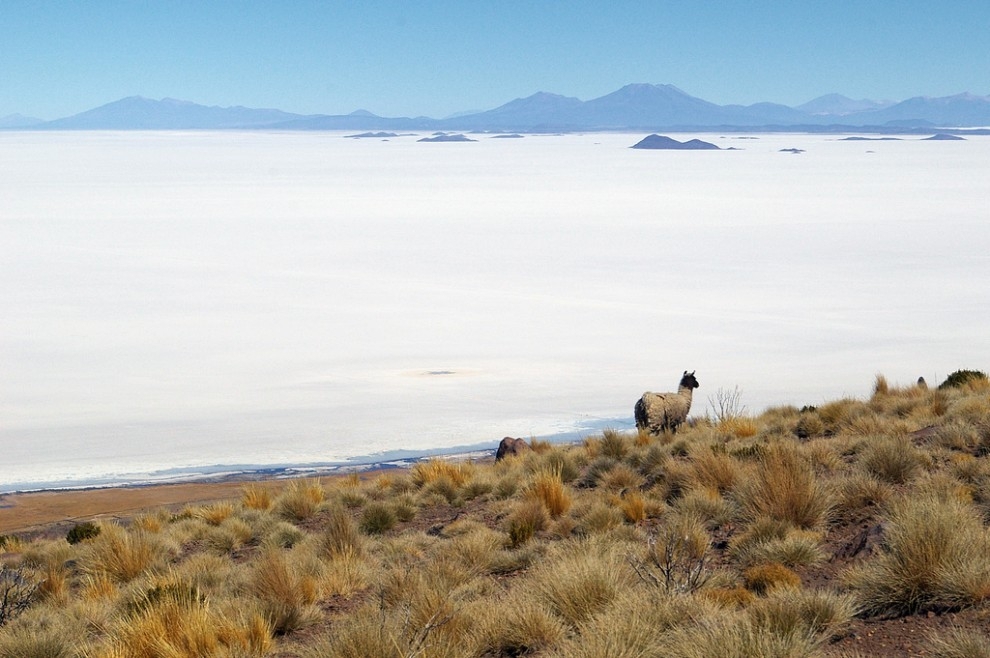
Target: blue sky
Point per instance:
(436, 58)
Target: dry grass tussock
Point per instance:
(747, 535)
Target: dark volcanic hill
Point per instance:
(664, 143)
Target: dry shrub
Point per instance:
(151, 522)
(972, 409)
(740, 427)
(214, 514)
(708, 505)
(122, 555)
(630, 627)
(474, 550)
(528, 518)
(735, 636)
(620, 476)
(857, 491)
(959, 643)
(796, 612)
(558, 460)
(214, 575)
(254, 496)
(430, 471)
(837, 415)
(286, 591)
(518, 625)
(764, 578)
(548, 488)
(613, 444)
(229, 536)
(809, 425)
(728, 597)
(598, 517)
(300, 500)
(768, 540)
(54, 586)
(676, 557)
(785, 487)
(715, 469)
(340, 534)
(893, 460)
(823, 455)
(377, 518)
(582, 579)
(633, 506)
(936, 555)
(26, 642)
(283, 534)
(173, 620)
(374, 631)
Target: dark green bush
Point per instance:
(960, 377)
(81, 532)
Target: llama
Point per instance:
(658, 412)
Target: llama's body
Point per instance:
(660, 412)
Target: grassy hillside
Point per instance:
(857, 528)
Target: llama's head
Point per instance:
(688, 380)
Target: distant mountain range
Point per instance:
(643, 107)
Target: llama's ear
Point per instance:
(692, 372)
(685, 374)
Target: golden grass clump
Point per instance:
(893, 460)
(214, 514)
(580, 580)
(172, 620)
(548, 488)
(340, 535)
(788, 611)
(740, 427)
(300, 500)
(633, 506)
(432, 470)
(959, 643)
(715, 469)
(764, 578)
(257, 497)
(785, 487)
(377, 518)
(286, 591)
(121, 554)
(528, 518)
(518, 625)
(937, 555)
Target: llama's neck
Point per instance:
(685, 391)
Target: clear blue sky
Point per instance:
(434, 58)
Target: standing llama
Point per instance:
(658, 412)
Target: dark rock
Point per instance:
(662, 142)
(447, 138)
(509, 446)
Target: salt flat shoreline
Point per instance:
(52, 511)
